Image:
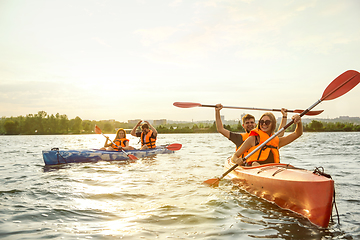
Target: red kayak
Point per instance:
(301, 191)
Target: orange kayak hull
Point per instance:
(298, 190)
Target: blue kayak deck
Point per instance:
(56, 156)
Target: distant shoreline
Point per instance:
(44, 124)
(60, 134)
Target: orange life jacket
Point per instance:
(149, 140)
(263, 153)
(119, 142)
(244, 137)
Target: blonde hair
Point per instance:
(272, 119)
(118, 131)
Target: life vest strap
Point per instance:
(264, 148)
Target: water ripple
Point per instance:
(163, 197)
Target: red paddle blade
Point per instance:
(174, 146)
(341, 85)
(132, 157)
(310, 113)
(214, 182)
(97, 130)
(186, 104)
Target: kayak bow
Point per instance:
(298, 190)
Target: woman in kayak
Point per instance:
(120, 140)
(269, 153)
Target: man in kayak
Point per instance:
(248, 123)
(269, 153)
(147, 135)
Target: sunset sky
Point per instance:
(122, 60)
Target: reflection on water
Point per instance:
(163, 197)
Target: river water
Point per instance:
(162, 197)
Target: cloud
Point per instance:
(175, 3)
(79, 60)
(19, 97)
(101, 41)
(155, 35)
(250, 30)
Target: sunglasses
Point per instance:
(266, 122)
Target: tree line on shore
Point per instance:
(42, 123)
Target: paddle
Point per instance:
(191, 105)
(338, 87)
(98, 131)
(174, 146)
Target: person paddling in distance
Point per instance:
(147, 135)
(120, 140)
(248, 123)
(269, 153)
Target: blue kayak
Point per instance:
(56, 156)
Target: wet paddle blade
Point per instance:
(97, 130)
(309, 113)
(341, 85)
(132, 157)
(174, 146)
(186, 104)
(214, 182)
